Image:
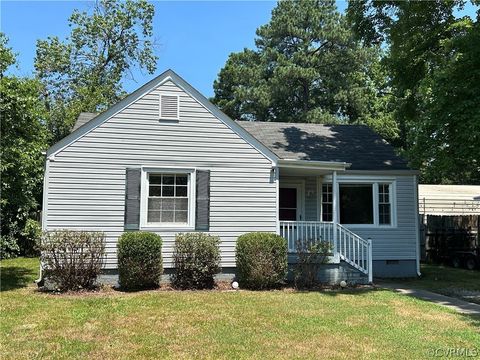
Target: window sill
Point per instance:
(179, 227)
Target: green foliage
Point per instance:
(196, 259)
(72, 260)
(261, 260)
(23, 138)
(7, 57)
(311, 255)
(307, 67)
(432, 63)
(31, 237)
(140, 263)
(447, 142)
(84, 72)
(8, 247)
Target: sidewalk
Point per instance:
(461, 306)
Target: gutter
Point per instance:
(307, 164)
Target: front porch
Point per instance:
(308, 210)
(344, 244)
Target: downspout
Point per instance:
(417, 218)
(335, 210)
(40, 279)
(276, 179)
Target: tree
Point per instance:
(84, 72)
(307, 67)
(447, 141)
(432, 70)
(23, 139)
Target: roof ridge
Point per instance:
(296, 123)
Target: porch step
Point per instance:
(333, 274)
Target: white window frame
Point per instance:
(191, 187)
(376, 217)
(390, 202)
(320, 201)
(160, 106)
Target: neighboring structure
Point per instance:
(449, 200)
(450, 217)
(165, 159)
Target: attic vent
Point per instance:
(169, 107)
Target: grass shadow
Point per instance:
(14, 277)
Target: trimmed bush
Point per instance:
(261, 260)
(196, 259)
(72, 260)
(140, 264)
(312, 254)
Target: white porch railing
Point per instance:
(350, 247)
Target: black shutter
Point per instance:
(132, 198)
(202, 210)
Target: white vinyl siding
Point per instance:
(86, 188)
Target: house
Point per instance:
(165, 159)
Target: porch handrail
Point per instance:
(306, 230)
(355, 250)
(349, 246)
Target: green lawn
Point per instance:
(212, 324)
(461, 283)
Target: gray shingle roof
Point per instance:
(83, 118)
(355, 144)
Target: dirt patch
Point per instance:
(220, 286)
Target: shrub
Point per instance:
(196, 259)
(140, 262)
(261, 260)
(72, 259)
(311, 255)
(8, 247)
(31, 234)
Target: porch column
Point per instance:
(335, 210)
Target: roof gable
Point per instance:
(85, 125)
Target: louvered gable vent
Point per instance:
(169, 107)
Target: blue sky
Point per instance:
(195, 38)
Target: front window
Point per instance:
(327, 202)
(356, 204)
(384, 205)
(360, 204)
(168, 198)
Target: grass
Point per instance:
(446, 280)
(211, 324)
